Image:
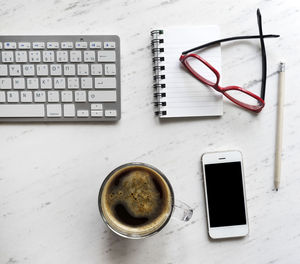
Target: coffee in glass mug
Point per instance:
(136, 200)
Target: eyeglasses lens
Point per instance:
(243, 98)
(201, 69)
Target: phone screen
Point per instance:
(225, 195)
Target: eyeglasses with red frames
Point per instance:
(236, 94)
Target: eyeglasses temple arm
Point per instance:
(263, 57)
(229, 39)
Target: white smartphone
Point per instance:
(225, 194)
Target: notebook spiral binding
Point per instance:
(158, 71)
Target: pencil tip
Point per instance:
(276, 189)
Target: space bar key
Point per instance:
(19, 110)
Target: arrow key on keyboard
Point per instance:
(82, 113)
(97, 113)
(111, 113)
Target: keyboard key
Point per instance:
(42, 70)
(67, 96)
(97, 113)
(81, 45)
(34, 56)
(53, 96)
(21, 56)
(69, 110)
(38, 45)
(69, 69)
(73, 83)
(96, 69)
(15, 70)
(67, 45)
(80, 96)
(3, 70)
(89, 56)
(40, 96)
(82, 113)
(95, 45)
(110, 69)
(75, 56)
(82, 69)
(48, 56)
(19, 83)
(7, 56)
(54, 110)
(106, 56)
(10, 45)
(2, 97)
(5, 83)
(32, 83)
(62, 56)
(26, 97)
(13, 97)
(28, 70)
(59, 83)
(102, 96)
(46, 83)
(105, 83)
(86, 83)
(96, 106)
(110, 45)
(22, 110)
(55, 69)
(111, 113)
(24, 45)
(52, 45)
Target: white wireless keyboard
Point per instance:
(60, 78)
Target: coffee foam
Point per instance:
(137, 190)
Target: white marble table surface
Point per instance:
(50, 174)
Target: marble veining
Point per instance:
(50, 174)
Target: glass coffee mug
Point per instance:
(136, 200)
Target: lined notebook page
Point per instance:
(185, 95)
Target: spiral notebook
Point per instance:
(177, 93)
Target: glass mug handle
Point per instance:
(182, 211)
